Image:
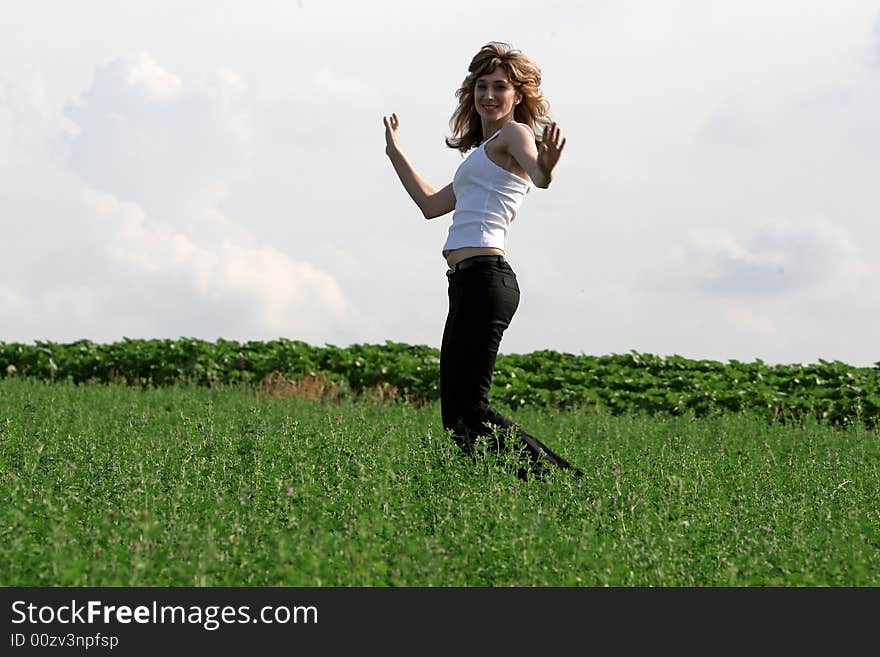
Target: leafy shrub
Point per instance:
(622, 383)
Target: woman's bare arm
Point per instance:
(537, 161)
(431, 203)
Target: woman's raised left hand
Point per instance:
(550, 148)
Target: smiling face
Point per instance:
(495, 97)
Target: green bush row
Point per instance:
(414, 370)
(622, 383)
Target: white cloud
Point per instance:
(783, 291)
(779, 257)
(145, 136)
(276, 294)
(141, 76)
(29, 127)
(87, 262)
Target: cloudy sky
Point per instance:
(217, 169)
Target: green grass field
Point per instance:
(118, 486)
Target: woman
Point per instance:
(500, 111)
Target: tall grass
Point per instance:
(111, 485)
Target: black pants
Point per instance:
(483, 297)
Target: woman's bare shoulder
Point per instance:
(516, 126)
(515, 131)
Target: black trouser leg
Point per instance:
(482, 301)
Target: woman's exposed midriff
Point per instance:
(455, 256)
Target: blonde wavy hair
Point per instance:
(524, 75)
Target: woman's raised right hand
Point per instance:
(392, 133)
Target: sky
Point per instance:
(217, 170)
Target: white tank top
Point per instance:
(487, 197)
